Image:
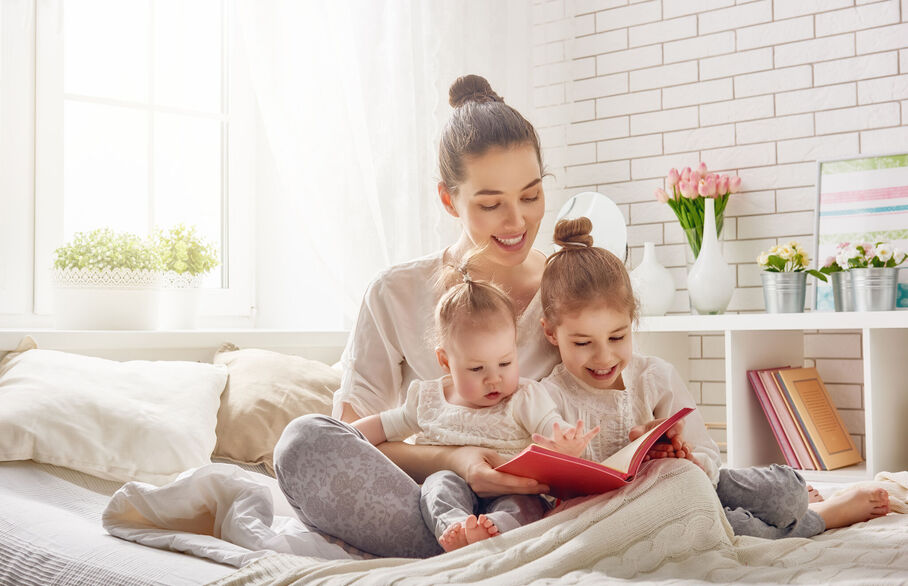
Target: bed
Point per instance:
(52, 523)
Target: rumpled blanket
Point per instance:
(666, 526)
(217, 511)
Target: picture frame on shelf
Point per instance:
(861, 199)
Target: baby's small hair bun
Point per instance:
(471, 88)
(574, 233)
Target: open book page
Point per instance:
(623, 459)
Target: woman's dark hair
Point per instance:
(481, 121)
(580, 275)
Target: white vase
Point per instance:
(711, 281)
(653, 283)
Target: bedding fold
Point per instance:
(218, 512)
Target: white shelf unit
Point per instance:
(768, 340)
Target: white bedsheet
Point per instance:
(51, 534)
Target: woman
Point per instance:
(491, 171)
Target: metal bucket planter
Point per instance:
(784, 292)
(842, 291)
(874, 289)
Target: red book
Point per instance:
(787, 451)
(568, 476)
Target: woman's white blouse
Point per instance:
(391, 343)
(506, 427)
(653, 390)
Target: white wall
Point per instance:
(627, 89)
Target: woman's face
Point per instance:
(500, 203)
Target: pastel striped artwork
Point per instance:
(862, 200)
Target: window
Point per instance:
(142, 122)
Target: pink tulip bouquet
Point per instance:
(686, 192)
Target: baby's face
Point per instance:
(483, 365)
(595, 345)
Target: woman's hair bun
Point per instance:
(471, 88)
(574, 232)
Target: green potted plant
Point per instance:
(186, 258)
(784, 277)
(106, 280)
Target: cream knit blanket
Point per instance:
(666, 526)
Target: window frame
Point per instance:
(233, 303)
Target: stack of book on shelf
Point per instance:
(803, 418)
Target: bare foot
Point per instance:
(453, 538)
(813, 495)
(859, 504)
(479, 529)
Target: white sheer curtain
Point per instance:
(352, 96)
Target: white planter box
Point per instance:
(119, 299)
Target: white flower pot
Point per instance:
(117, 299)
(179, 306)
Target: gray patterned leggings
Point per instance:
(447, 499)
(339, 483)
(768, 502)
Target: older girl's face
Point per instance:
(500, 203)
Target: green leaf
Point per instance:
(817, 274)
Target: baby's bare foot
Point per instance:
(453, 537)
(859, 504)
(479, 529)
(813, 495)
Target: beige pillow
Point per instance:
(265, 391)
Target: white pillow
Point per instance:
(123, 421)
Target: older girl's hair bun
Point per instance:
(574, 233)
(471, 88)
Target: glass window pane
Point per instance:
(105, 168)
(188, 54)
(187, 176)
(105, 48)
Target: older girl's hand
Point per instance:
(477, 467)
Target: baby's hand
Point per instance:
(571, 441)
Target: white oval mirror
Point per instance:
(609, 227)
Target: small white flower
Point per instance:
(884, 251)
(763, 259)
(786, 252)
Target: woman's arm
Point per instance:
(475, 465)
(372, 428)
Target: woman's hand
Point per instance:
(476, 466)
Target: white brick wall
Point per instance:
(761, 88)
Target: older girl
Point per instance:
(589, 313)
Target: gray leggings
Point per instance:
(447, 498)
(768, 502)
(339, 483)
